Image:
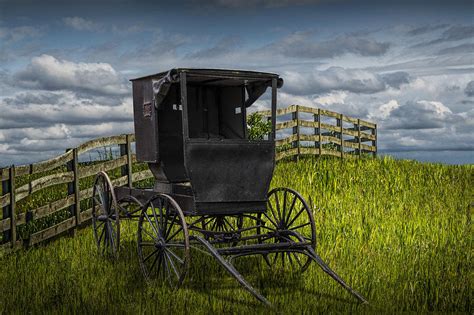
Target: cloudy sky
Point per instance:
(407, 65)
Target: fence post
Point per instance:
(296, 130)
(319, 133)
(374, 142)
(125, 149)
(8, 186)
(359, 139)
(73, 188)
(316, 132)
(339, 124)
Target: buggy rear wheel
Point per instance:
(224, 226)
(163, 241)
(288, 219)
(105, 216)
(129, 207)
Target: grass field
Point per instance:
(399, 232)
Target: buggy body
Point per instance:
(191, 129)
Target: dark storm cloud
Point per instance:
(341, 79)
(303, 45)
(454, 33)
(460, 49)
(233, 4)
(396, 79)
(421, 115)
(426, 29)
(158, 51)
(469, 90)
(37, 97)
(438, 65)
(457, 33)
(222, 47)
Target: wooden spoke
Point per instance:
(287, 225)
(297, 216)
(168, 231)
(270, 219)
(283, 211)
(287, 218)
(300, 226)
(174, 234)
(151, 254)
(172, 265)
(175, 256)
(152, 225)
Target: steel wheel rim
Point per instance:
(287, 210)
(105, 216)
(163, 241)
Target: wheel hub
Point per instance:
(160, 243)
(102, 218)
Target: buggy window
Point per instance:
(216, 112)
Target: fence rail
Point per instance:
(326, 138)
(327, 133)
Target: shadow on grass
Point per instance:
(213, 279)
(207, 277)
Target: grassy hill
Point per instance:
(399, 232)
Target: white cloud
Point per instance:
(67, 108)
(47, 72)
(331, 98)
(384, 110)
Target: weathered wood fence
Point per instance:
(70, 209)
(64, 173)
(322, 132)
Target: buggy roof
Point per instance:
(255, 82)
(215, 76)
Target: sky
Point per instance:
(65, 66)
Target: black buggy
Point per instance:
(211, 191)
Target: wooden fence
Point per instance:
(323, 132)
(63, 170)
(72, 209)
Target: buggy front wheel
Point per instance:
(163, 241)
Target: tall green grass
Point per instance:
(399, 232)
